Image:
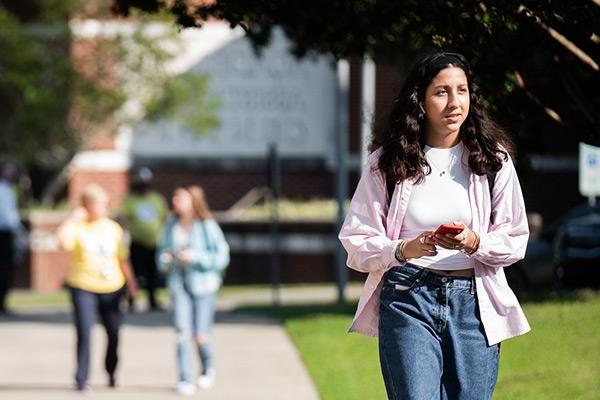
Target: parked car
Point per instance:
(577, 248)
(535, 271)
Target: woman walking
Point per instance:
(98, 277)
(438, 297)
(193, 253)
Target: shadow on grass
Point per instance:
(559, 296)
(298, 311)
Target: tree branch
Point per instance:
(549, 111)
(561, 39)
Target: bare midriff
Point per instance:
(464, 273)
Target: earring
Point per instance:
(421, 111)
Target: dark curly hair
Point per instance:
(403, 138)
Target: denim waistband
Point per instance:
(434, 278)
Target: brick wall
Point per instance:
(48, 264)
(114, 182)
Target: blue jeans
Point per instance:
(431, 340)
(85, 307)
(193, 316)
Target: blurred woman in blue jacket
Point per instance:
(193, 253)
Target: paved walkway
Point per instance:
(254, 356)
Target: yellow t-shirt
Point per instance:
(97, 248)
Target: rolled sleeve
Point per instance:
(364, 234)
(505, 241)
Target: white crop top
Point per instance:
(442, 198)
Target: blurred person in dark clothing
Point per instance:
(144, 212)
(9, 227)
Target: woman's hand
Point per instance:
(132, 288)
(465, 240)
(420, 246)
(166, 257)
(185, 256)
(130, 281)
(79, 214)
(66, 232)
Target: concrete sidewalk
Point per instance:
(254, 359)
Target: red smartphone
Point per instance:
(449, 229)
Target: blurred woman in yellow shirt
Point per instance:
(99, 273)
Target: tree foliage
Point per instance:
(51, 107)
(59, 93)
(185, 99)
(34, 85)
(537, 61)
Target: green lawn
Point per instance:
(558, 360)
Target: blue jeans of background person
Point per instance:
(431, 339)
(85, 306)
(192, 316)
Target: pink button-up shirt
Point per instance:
(370, 236)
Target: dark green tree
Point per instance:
(537, 61)
(35, 81)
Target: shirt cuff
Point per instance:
(483, 244)
(389, 254)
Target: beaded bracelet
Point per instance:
(399, 253)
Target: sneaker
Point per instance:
(82, 387)
(155, 308)
(4, 312)
(207, 380)
(185, 388)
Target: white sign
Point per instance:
(272, 99)
(589, 170)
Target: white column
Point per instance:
(367, 107)
(341, 146)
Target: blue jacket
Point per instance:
(210, 257)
